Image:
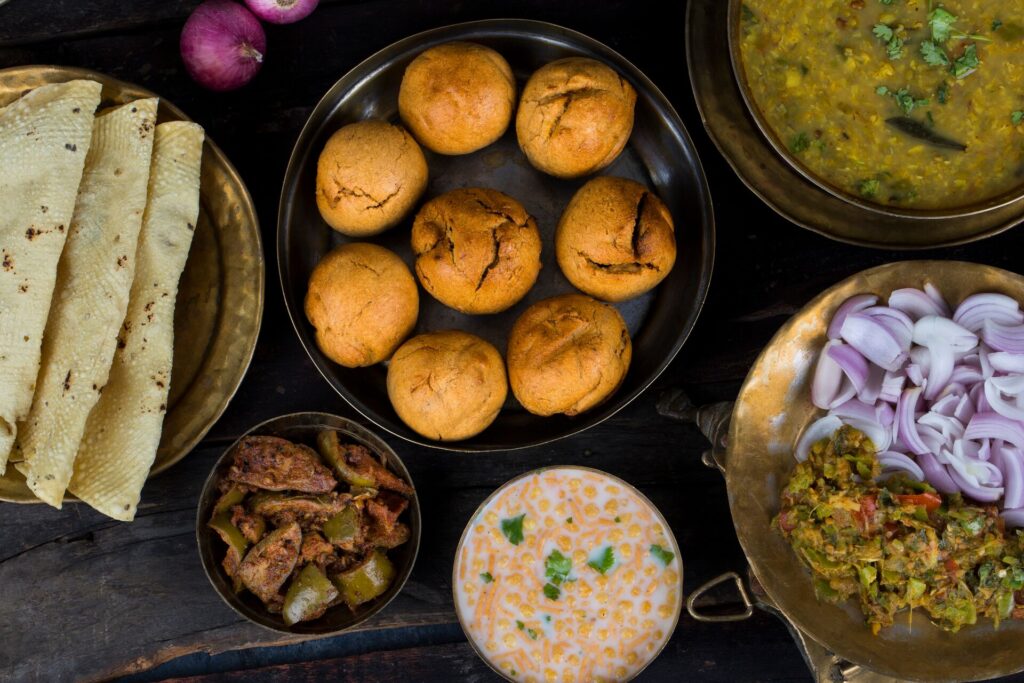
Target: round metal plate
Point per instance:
(780, 185)
(772, 409)
(220, 296)
(660, 155)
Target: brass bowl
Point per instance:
(510, 482)
(735, 132)
(773, 408)
(780, 147)
(303, 428)
(220, 297)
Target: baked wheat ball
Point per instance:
(369, 176)
(457, 98)
(447, 385)
(363, 302)
(615, 240)
(575, 116)
(477, 250)
(567, 354)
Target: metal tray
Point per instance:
(779, 184)
(220, 296)
(660, 155)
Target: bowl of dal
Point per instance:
(911, 108)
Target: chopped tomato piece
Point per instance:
(868, 507)
(929, 501)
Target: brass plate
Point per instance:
(772, 409)
(784, 189)
(220, 296)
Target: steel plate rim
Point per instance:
(709, 230)
(236, 178)
(782, 213)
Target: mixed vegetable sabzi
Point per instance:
(898, 544)
(302, 535)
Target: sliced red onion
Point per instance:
(982, 494)
(915, 375)
(1012, 385)
(988, 425)
(857, 409)
(892, 386)
(986, 365)
(1002, 361)
(977, 394)
(964, 410)
(851, 305)
(914, 303)
(1003, 337)
(828, 378)
(965, 374)
(946, 405)
(854, 366)
(948, 427)
(936, 296)
(932, 330)
(873, 341)
(886, 414)
(872, 388)
(815, 432)
(1013, 476)
(846, 392)
(977, 308)
(1012, 518)
(906, 424)
(935, 474)
(891, 460)
(899, 325)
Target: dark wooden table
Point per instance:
(82, 597)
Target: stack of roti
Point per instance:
(99, 213)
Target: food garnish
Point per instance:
(664, 556)
(1017, 117)
(604, 560)
(892, 39)
(486, 577)
(513, 529)
(904, 99)
(290, 525)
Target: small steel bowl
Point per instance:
(782, 150)
(494, 494)
(303, 428)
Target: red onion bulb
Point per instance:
(222, 45)
(282, 11)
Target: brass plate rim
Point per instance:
(719, 131)
(898, 273)
(210, 149)
(519, 477)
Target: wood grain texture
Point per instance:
(85, 598)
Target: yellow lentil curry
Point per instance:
(917, 104)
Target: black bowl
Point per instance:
(303, 428)
(659, 155)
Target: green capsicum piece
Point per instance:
(367, 580)
(343, 527)
(309, 594)
(330, 448)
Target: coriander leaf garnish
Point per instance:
(520, 625)
(604, 561)
(869, 188)
(942, 93)
(557, 567)
(886, 2)
(904, 99)
(799, 143)
(748, 14)
(882, 90)
(941, 22)
(551, 591)
(486, 577)
(997, 24)
(894, 43)
(618, 519)
(967, 63)
(513, 529)
(662, 555)
(568, 520)
(529, 631)
(933, 55)
(882, 32)
(1017, 117)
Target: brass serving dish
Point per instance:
(781, 185)
(220, 296)
(303, 428)
(772, 409)
(494, 494)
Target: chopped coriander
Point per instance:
(568, 520)
(529, 631)
(997, 24)
(886, 2)
(513, 529)
(512, 672)
(894, 43)
(618, 519)
(748, 14)
(869, 188)
(904, 99)
(942, 93)
(664, 556)
(800, 143)
(604, 560)
(520, 625)
(882, 32)
(551, 591)
(933, 55)
(1017, 117)
(882, 90)
(486, 577)
(941, 22)
(547, 618)
(557, 567)
(967, 63)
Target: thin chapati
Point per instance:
(44, 138)
(123, 430)
(94, 279)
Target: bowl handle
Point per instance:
(712, 420)
(748, 605)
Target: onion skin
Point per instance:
(282, 11)
(222, 45)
